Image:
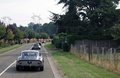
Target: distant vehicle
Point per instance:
(30, 59)
(36, 46)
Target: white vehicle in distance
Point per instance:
(30, 59)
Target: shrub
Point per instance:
(66, 47)
(71, 39)
(1, 43)
(57, 42)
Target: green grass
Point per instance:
(73, 67)
(49, 46)
(3, 50)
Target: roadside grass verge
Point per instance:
(5, 49)
(73, 67)
(49, 46)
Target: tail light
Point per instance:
(39, 62)
(20, 62)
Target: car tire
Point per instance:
(41, 68)
(17, 68)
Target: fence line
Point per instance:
(108, 58)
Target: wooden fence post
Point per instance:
(111, 54)
(97, 53)
(79, 52)
(84, 47)
(115, 60)
(89, 53)
(103, 49)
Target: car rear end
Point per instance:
(29, 64)
(30, 59)
(36, 47)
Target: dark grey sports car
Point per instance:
(30, 59)
(36, 46)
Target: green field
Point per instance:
(73, 67)
(3, 50)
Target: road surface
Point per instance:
(7, 66)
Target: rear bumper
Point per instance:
(28, 67)
(35, 48)
(29, 64)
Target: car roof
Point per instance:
(30, 51)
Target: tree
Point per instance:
(70, 21)
(22, 28)
(23, 31)
(48, 28)
(25, 34)
(9, 36)
(12, 28)
(37, 36)
(2, 30)
(115, 32)
(58, 21)
(30, 25)
(34, 27)
(31, 34)
(44, 35)
(99, 15)
(19, 35)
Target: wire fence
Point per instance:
(109, 58)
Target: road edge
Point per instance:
(54, 68)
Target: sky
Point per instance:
(22, 11)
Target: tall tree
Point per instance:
(70, 21)
(30, 25)
(2, 30)
(48, 28)
(44, 35)
(99, 14)
(30, 34)
(34, 27)
(10, 35)
(19, 35)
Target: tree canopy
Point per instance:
(88, 18)
(2, 30)
(9, 35)
(38, 30)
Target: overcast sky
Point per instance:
(21, 11)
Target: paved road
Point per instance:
(7, 66)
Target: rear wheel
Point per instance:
(17, 68)
(41, 68)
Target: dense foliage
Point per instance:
(2, 30)
(12, 34)
(90, 19)
(38, 31)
